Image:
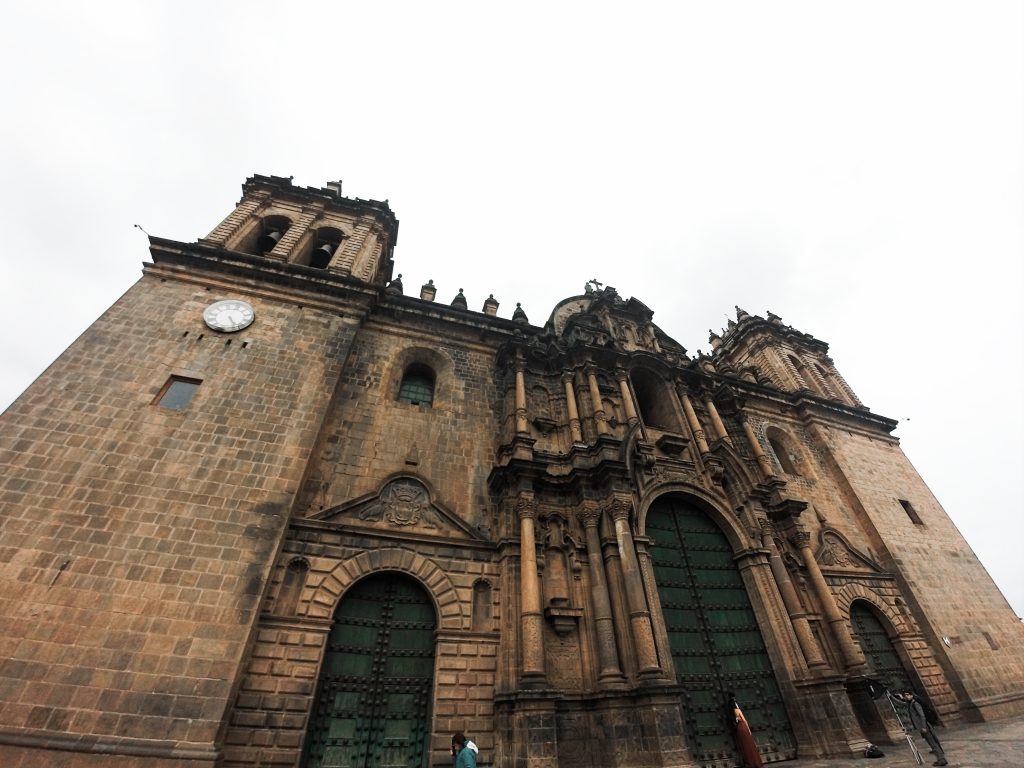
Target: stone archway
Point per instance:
(375, 688)
(716, 643)
(327, 587)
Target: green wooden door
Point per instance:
(715, 640)
(373, 698)
(878, 648)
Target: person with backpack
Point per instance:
(920, 721)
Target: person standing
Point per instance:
(464, 752)
(744, 738)
(920, 722)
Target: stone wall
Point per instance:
(137, 539)
(951, 593)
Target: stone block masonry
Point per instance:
(137, 539)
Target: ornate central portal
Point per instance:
(373, 699)
(715, 640)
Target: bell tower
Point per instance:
(312, 227)
(764, 350)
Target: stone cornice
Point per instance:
(256, 270)
(404, 537)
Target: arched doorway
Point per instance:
(716, 643)
(372, 704)
(874, 640)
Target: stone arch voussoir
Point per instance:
(850, 592)
(435, 581)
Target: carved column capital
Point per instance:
(589, 515)
(800, 539)
(621, 375)
(766, 525)
(619, 507)
(568, 377)
(526, 506)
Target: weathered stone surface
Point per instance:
(169, 577)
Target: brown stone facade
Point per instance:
(173, 573)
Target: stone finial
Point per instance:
(395, 286)
(773, 318)
(459, 302)
(490, 306)
(519, 315)
(715, 339)
(741, 314)
(428, 291)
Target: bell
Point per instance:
(321, 256)
(268, 240)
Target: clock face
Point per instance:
(229, 315)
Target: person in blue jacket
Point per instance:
(464, 751)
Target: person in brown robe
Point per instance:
(744, 738)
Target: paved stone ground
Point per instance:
(975, 745)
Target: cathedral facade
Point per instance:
(272, 509)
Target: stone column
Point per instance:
(570, 404)
(716, 421)
(763, 462)
(661, 640)
(627, 397)
(639, 616)
(600, 419)
(853, 657)
(797, 615)
(604, 624)
(532, 618)
(691, 418)
(521, 426)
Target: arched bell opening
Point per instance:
(372, 705)
(320, 247)
(714, 637)
(264, 236)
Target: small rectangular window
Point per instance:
(177, 393)
(911, 512)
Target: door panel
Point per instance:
(373, 698)
(882, 657)
(716, 643)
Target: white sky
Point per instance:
(857, 168)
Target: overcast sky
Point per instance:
(857, 168)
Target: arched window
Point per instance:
(653, 399)
(786, 455)
(417, 386)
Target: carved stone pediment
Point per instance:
(836, 553)
(402, 505)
